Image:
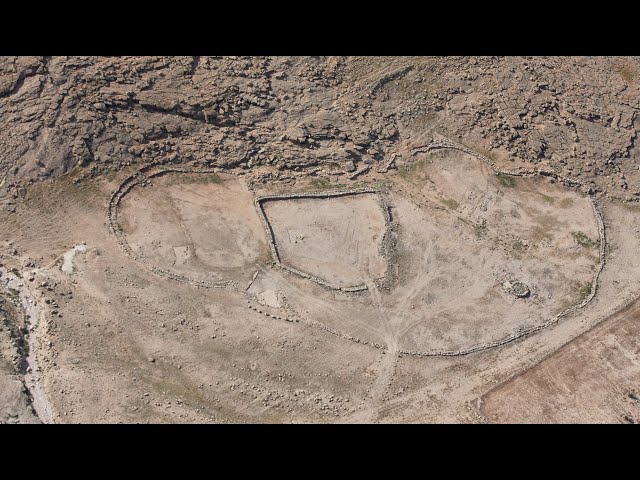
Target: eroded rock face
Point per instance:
(574, 115)
(15, 401)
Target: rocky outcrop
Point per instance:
(575, 115)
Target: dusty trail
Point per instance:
(386, 367)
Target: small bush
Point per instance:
(480, 229)
(506, 180)
(518, 246)
(584, 292)
(450, 203)
(584, 241)
(321, 183)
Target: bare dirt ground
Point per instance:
(336, 239)
(592, 379)
(463, 234)
(202, 226)
(488, 296)
(453, 256)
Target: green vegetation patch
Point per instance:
(584, 241)
(506, 180)
(584, 292)
(320, 183)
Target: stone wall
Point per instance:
(333, 194)
(522, 332)
(141, 177)
(387, 248)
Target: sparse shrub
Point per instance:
(584, 292)
(320, 183)
(625, 72)
(506, 180)
(478, 228)
(547, 198)
(518, 246)
(450, 203)
(584, 241)
(215, 178)
(405, 172)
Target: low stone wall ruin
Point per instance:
(141, 177)
(387, 248)
(523, 332)
(332, 194)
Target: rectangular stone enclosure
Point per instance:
(335, 238)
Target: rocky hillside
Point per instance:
(575, 115)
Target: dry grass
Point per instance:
(632, 207)
(198, 178)
(584, 291)
(414, 172)
(450, 203)
(478, 228)
(407, 172)
(566, 203)
(583, 240)
(506, 180)
(547, 198)
(490, 154)
(540, 233)
(321, 183)
(518, 249)
(625, 70)
(518, 246)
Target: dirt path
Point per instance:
(386, 370)
(387, 366)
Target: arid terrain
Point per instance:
(319, 239)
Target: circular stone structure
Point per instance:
(518, 289)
